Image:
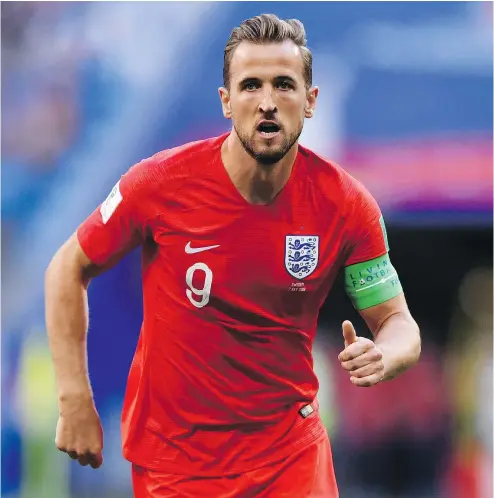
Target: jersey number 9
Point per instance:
(199, 297)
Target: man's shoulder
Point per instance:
(185, 155)
(330, 176)
(171, 167)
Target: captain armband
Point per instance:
(372, 282)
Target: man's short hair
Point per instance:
(268, 28)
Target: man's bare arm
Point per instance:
(79, 432)
(396, 334)
(396, 346)
(66, 307)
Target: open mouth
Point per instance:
(268, 129)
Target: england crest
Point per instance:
(301, 255)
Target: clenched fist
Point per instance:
(79, 432)
(361, 358)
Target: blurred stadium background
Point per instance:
(406, 106)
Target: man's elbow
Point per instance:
(416, 342)
(413, 339)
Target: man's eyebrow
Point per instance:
(285, 78)
(276, 79)
(249, 79)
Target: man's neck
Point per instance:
(256, 183)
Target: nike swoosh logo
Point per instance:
(193, 250)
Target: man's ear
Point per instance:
(310, 105)
(225, 102)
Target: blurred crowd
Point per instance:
(41, 109)
(53, 87)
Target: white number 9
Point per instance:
(203, 293)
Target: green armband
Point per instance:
(371, 282)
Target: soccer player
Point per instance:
(242, 236)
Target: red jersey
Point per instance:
(232, 293)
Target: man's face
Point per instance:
(268, 99)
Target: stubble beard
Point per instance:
(267, 157)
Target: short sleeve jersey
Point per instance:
(232, 293)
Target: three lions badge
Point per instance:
(301, 255)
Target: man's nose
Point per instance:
(267, 104)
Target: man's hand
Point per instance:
(361, 358)
(79, 432)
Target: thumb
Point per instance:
(349, 333)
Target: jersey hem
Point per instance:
(316, 432)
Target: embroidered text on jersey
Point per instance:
(193, 250)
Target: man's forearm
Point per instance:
(66, 322)
(399, 340)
